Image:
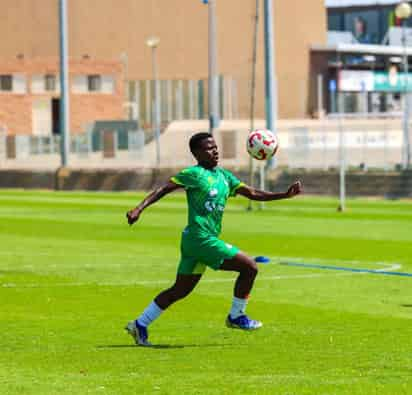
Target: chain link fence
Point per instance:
(306, 145)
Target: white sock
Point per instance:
(238, 307)
(150, 314)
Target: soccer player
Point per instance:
(207, 187)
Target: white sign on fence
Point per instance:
(319, 140)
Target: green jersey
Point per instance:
(207, 192)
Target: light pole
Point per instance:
(212, 65)
(270, 74)
(64, 83)
(153, 42)
(342, 159)
(270, 81)
(403, 11)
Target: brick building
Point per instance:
(117, 31)
(30, 94)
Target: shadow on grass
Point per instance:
(165, 346)
(406, 305)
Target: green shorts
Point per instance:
(199, 252)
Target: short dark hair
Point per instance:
(196, 139)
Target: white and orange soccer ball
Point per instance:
(262, 144)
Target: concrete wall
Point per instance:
(106, 29)
(385, 184)
(27, 179)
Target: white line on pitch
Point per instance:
(169, 281)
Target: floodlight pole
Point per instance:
(213, 75)
(270, 80)
(153, 42)
(253, 94)
(342, 159)
(156, 104)
(403, 11)
(406, 105)
(270, 83)
(64, 85)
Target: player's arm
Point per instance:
(265, 196)
(133, 215)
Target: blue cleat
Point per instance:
(262, 259)
(243, 322)
(138, 332)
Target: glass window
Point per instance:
(350, 102)
(94, 83)
(6, 82)
(335, 21)
(50, 82)
(364, 25)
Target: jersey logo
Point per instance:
(213, 192)
(210, 206)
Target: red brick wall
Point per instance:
(15, 113)
(16, 109)
(105, 29)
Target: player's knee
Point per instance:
(251, 268)
(254, 269)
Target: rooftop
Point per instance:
(357, 3)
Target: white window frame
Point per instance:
(94, 84)
(108, 84)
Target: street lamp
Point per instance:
(153, 42)
(403, 11)
(213, 83)
(64, 83)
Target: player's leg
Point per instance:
(247, 269)
(184, 284)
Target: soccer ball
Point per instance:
(262, 144)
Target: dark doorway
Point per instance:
(56, 116)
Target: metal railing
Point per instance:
(310, 145)
(180, 99)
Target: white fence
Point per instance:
(304, 144)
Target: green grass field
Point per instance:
(72, 273)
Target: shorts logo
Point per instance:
(229, 245)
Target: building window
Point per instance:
(335, 21)
(49, 82)
(6, 83)
(94, 83)
(365, 25)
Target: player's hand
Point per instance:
(294, 189)
(132, 216)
